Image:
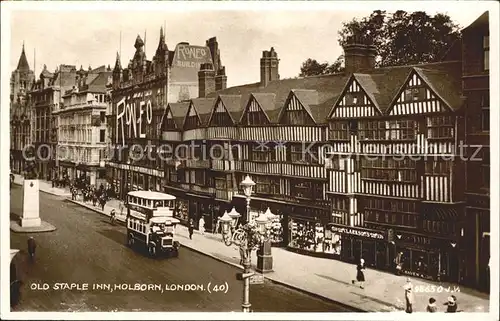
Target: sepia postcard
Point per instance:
(249, 160)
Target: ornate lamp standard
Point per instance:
(247, 237)
(248, 185)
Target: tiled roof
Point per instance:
(266, 103)
(203, 108)
(98, 84)
(234, 107)
(179, 112)
(327, 86)
(445, 84)
(481, 21)
(307, 98)
(319, 94)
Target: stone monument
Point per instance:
(31, 198)
(30, 218)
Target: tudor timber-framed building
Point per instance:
(363, 163)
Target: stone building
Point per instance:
(45, 98)
(140, 93)
(82, 129)
(20, 118)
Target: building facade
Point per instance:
(140, 94)
(476, 91)
(82, 128)
(355, 166)
(45, 98)
(20, 115)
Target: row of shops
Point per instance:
(307, 230)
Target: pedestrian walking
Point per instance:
(398, 263)
(452, 306)
(431, 307)
(31, 247)
(409, 297)
(360, 276)
(191, 229)
(201, 225)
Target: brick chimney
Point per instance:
(206, 80)
(359, 53)
(221, 79)
(269, 67)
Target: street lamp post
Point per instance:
(247, 237)
(248, 185)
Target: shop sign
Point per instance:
(132, 111)
(417, 274)
(257, 279)
(356, 232)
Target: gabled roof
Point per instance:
(179, 112)
(233, 104)
(98, 84)
(326, 86)
(307, 98)
(203, 108)
(479, 22)
(266, 104)
(319, 94)
(445, 85)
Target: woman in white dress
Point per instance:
(201, 225)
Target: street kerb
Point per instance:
(192, 248)
(321, 297)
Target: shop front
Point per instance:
(427, 257)
(201, 206)
(354, 243)
(125, 178)
(305, 230)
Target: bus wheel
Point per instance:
(152, 251)
(130, 241)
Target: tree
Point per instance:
(401, 38)
(311, 67)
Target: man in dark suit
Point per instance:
(31, 247)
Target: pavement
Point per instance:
(45, 186)
(90, 256)
(331, 279)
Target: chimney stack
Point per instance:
(206, 80)
(221, 79)
(359, 53)
(269, 67)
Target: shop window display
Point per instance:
(276, 231)
(182, 212)
(310, 236)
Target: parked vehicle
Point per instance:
(15, 283)
(150, 222)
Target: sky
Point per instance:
(91, 37)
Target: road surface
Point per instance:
(86, 249)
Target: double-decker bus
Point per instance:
(150, 222)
